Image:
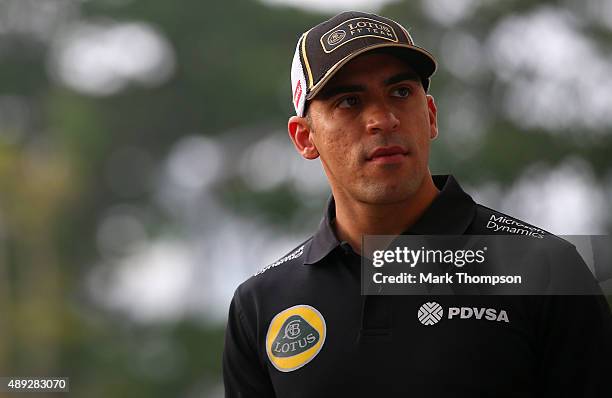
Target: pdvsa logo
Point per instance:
(295, 336)
(432, 313)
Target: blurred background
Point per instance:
(145, 168)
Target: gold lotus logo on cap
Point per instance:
(356, 28)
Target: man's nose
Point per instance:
(381, 119)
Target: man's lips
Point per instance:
(387, 154)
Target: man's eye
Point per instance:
(401, 92)
(348, 102)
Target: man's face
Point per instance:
(372, 125)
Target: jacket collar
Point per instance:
(450, 213)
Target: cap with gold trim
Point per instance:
(325, 48)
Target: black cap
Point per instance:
(325, 48)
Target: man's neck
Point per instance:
(355, 219)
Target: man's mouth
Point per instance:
(387, 154)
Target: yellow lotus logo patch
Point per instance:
(295, 337)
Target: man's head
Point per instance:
(369, 118)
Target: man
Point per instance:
(301, 328)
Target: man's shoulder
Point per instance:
(280, 270)
(488, 221)
(293, 257)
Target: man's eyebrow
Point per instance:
(330, 92)
(400, 77)
(327, 93)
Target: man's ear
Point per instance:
(301, 135)
(433, 117)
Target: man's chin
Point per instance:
(387, 194)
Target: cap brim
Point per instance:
(423, 63)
